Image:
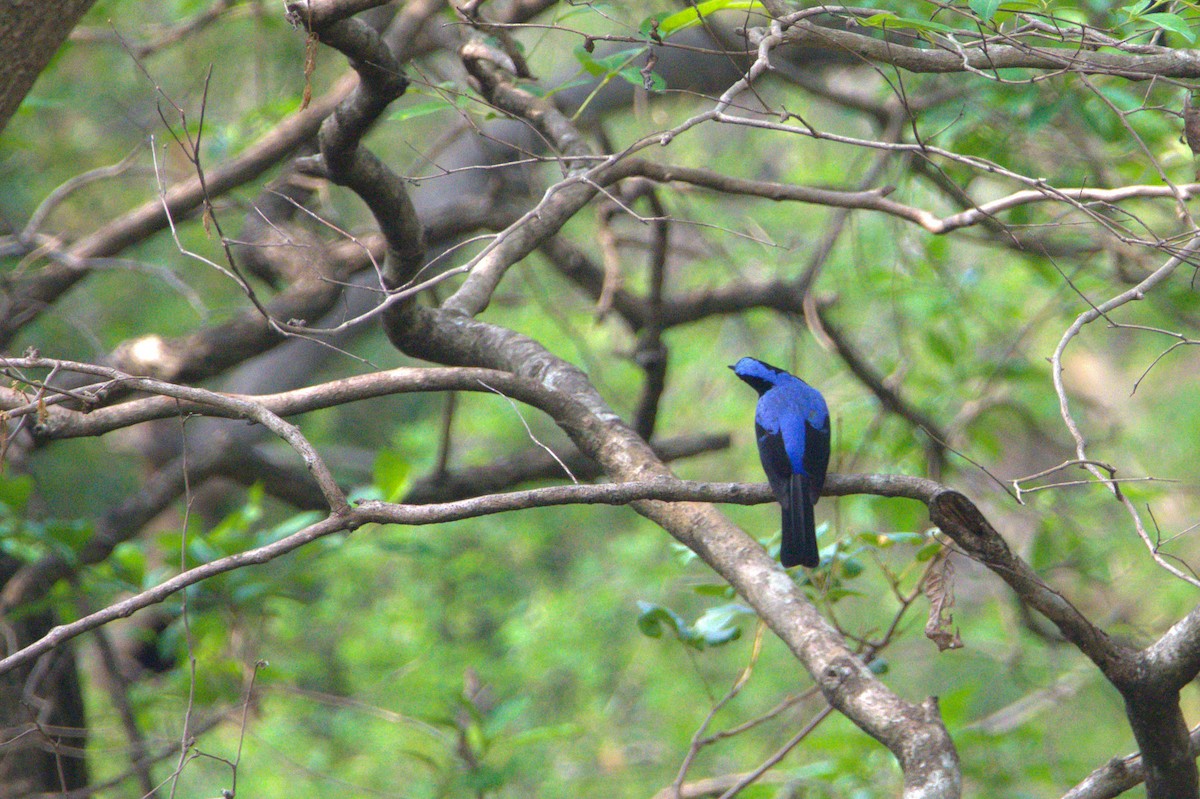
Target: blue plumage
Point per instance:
(792, 423)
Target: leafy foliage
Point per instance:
(571, 651)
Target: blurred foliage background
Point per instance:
(542, 653)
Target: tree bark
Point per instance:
(42, 724)
(31, 32)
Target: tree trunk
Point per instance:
(31, 32)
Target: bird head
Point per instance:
(761, 376)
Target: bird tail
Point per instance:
(799, 547)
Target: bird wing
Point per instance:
(796, 496)
(816, 456)
(774, 456)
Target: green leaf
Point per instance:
(653, 24)
(587, 61)
(391, 473)
(716, 627)
(620, 59)
(887, 19)
(364, 494)
(155, 576)
(927, 552)
(1173, 23)
(15, 492)
(985, 9)
(1135, 9)
(483, 779)
(583, 8)
(293, 524)
(128, 563)
(251, 591)
(852, 567)
(885, 540)
(69, 533)
(541, 735)
(653, 618)
(475, 738)
(720, 590)
(419, 110)
(941, 346)
(201, 551)
(634, 75)
(503, 716)
(230, 533)
(691, 17)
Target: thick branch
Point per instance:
(316, 14)
(1174, 659)
(1118, 775)
(30, 37)
(956, 516)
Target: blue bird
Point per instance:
(792, 423)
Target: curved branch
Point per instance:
(58, 422)
(231, 406)
(1119, 775)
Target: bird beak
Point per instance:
(731, 365)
